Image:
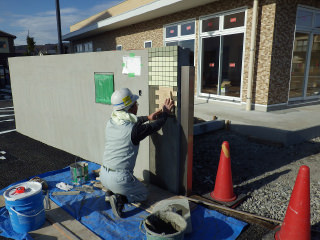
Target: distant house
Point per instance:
(274, 68)
(6, 50)
(47, 49)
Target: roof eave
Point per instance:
(147, 12)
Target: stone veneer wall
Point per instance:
(263, 52)
(267, 89)
(282, 48)
(165, 144)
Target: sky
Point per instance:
(38, 17)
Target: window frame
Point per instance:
(82, 46)
(119, 46)
(180, 37)
(148, 41)
(219, 33)
(183, 37)
(311, 31)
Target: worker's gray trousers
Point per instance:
(123, 182)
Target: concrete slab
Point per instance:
(208, 126)
(288, 126)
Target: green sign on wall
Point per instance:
(104, 87)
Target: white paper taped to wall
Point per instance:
(131, 65)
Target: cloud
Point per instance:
(42, 26)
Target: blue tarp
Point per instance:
(93, 212)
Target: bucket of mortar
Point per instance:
(164, 225)
(79, 173)
(24, 203)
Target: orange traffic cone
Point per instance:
(223, 189)
(296, 223)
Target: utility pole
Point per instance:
(60, 48)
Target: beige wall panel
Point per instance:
(54, 100)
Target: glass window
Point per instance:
(313, 88)
(234, 20)
(79, 47)
(172, 43)
(317, 20)
(171, 31)
(188, 44)
(3, 44)
(187, 28)
(211, 24)
(185, 44)
(210, 64)
(231, 64)
(148, 44)
(86, 47)
(304, 18)
(298, 66)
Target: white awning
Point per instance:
(147, 12)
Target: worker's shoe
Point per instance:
(108, 195)
(117, 204)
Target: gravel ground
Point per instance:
(264, 172)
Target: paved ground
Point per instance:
(287, 126)
(24, 157)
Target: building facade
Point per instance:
(6, 50)
(285, 69)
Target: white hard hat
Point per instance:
(123, 98)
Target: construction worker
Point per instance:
(123, 133)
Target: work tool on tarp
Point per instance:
(65, 193)
(85, 188)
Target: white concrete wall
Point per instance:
(54, 100)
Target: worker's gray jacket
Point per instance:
(119, 153)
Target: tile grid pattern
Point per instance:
(163, 74)
(163, 66)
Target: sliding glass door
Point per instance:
(305, 66)
(210, 64)
(221, 55)
(298, 68)
(225, 78)
(230, 81)
(313, 86)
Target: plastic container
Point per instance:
(24, 202)
(79, 173)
